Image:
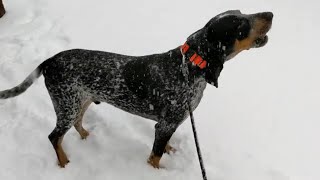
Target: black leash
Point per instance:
(186, 73)
(203, 170)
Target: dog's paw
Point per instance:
(169, 149)
(154, 161)
(84, 134)
(63, 163)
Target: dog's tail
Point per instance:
(9, 93)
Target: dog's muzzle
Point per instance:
(260, 42)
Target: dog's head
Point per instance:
(227, 34)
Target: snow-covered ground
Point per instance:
(263, 123)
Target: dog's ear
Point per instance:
(223, 29)
(243, 29)
(227, 28)
(212, 73)
(203, 32)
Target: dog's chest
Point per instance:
(197, 93)
(162, 87)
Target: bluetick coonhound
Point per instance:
(151, 86)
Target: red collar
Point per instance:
(195, 58)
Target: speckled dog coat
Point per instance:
(153, 86)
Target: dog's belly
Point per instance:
(123, 98)
(114, 91)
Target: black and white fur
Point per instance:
(150, 86)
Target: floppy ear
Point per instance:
(243, 29)
(212, 73)
(223, 29)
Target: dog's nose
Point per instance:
(265, 15)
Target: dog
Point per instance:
(159, 87)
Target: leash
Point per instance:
(203, 170)
(185, 72)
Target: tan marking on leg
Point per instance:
(78, 125)
(62, 157)
(154, 160)
(169, 149)
(83, 133)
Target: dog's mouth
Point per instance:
(260, 42)
(261, 26)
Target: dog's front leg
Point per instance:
(163, 133)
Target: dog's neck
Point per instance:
(194, 57)
(210, 73)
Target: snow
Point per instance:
(262, 123)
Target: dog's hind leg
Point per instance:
(78, 125)
(56, 137)
(68, 106)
